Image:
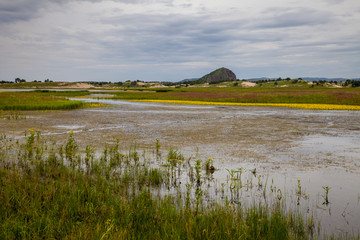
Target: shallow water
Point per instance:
(321, 148)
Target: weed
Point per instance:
(198, 173)
(71, 148)
(209, 165)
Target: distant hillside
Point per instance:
(311, 79)
(217, 76)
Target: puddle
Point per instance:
(141, 104)
(323, 143)
(69, 127)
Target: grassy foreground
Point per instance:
(57, 191)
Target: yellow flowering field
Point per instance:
(290, 105)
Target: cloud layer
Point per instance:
(169, 40)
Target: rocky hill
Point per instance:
(217, 76)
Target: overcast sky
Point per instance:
(170, 40)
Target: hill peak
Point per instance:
(219, 75)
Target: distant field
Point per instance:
(339, 96)
(281, 92)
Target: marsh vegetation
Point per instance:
(61, 191)
(40, 100)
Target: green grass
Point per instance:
(58, 191)
(38, 100)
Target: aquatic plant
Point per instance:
(209, 165)
(326, 197)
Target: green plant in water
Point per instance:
(71, 148)
(299, 191)
(279, 194)
(174, 157)
(209, 166)
(236, 182)
(133, 154)
(157, 148)
(198, 172)
(30, 144)
(89, 156)
(259, 182)
(155, 177)
(326, 197)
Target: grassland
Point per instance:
(40, 100)
(297, 97)
(60, 191)
(251, 95)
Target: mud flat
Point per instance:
(319, 148)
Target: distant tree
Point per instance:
(355, 83)
(275, 83)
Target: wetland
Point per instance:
(308, 159)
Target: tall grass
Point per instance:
(59, 191)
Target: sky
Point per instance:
(172, 40)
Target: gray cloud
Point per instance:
(24, 10)
(111, 41)
(283, 18)
(173, 35)
(18, 10)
